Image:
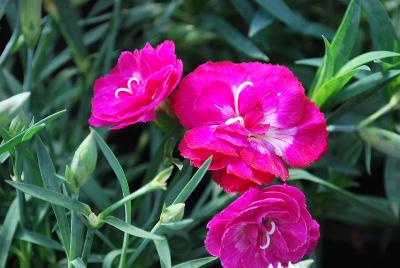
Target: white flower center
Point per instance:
(236, 93)
(127, 89)
(268, 236)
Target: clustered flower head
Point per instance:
(254, 119)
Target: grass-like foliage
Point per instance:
(72, 196)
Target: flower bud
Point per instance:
(18, 124)
(83, 163)
(160, 181)
(172, 213)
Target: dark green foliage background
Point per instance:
(56, 49)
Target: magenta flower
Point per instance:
(134, 88)
(263, 227)
(253, 118)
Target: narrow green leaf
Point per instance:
(383, 34)
(299, 174)
(67, 19)
(119, 172)
(51, 182)
(78, 263)
(177, 225)
(195, 263)
(260, 21)
(364, 85)
(368, 158)
(365, 58)
(163, 252)
(7, 232)
(192, 184)
(130, 229)
(392, 183)
(52, 197)
(331, 87)
(38, 239)
(382, 140)
(236, 39)
(303, 264)
(282, 12)
(11, 143)
(244, 8)
(345, 37)
(316, 62)
(32, 131)
(3, 7)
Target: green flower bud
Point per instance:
(172, 213)
(30, 16)
(11, 106)
(160, 181)
(18, 124)
(83, 163)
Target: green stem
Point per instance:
(28, 74)
(88, 245)
(74, 232)
(370, 119)
(141, 191)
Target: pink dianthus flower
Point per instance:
(134, 88)
(253, 118)
(263, 227)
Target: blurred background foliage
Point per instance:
(53, 50)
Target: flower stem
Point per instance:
(141, 191)
(370, 119)
(28, 74)
(341, 128)
(74, 232)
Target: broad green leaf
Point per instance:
(192, 184)
(119, 172)
(282, 12)
(14, 141)
(383, 34)
(365, 84)
(331, 87)
(365, 58)
(195, 263)
(7, 232)
(236, 39)
(38, 239)
(299, 174)
(260, 21)
(51, 183)
(78, 263)
(382, 140)
(9, 107)
(52, 197)
(30, 12)
(392, 183)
